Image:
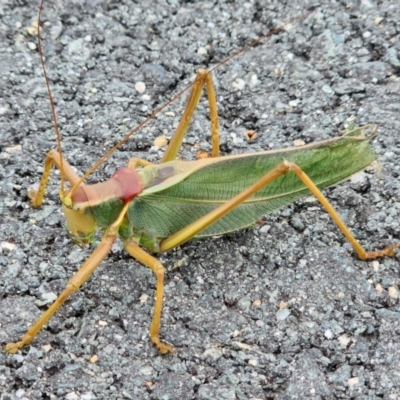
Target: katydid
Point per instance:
(159, 207)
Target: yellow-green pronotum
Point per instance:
(159, 207)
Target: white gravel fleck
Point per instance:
(202, 51)
(239, 84)
(393, 292)
(328, 334)
(72, 396)
(353, 381)
(140, 87)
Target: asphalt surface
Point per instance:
(279, 311)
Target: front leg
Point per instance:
(53, 157)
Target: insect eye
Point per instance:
(78, 208)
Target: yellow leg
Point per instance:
(74, 284)
(212, 101)
(52, 158)
(283, 168)
(364, 255)
(203, 78)
(139, 254)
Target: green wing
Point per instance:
(196, 188)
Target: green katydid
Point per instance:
(159, 207)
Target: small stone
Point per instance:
(379, 288)
(88, 396)
(32, 46)
(109, 349)
(47, 298)
(72, 396)
(389, 154)
(265, 228)
(257, 303)
(253, 362)
(47, 348)
(146, 370)
(32, 29)
(143, 298)
(353, 381)
(20, 393)
(294, 103)
(282, 305)
(28, 372)
(55, 31)
(94, 359)
(241, 345)
(328, 334)
(393, 292)
(358, 178)
(140, 87)
(202, 51)
(214, 353)
(281, 315)
(8, 246)
(122, 99)
(239, 84)
(160, 141)
(375, 265)
(344, 340)
(19, 358)
(103, 323)
(13, 149)
(366, 314)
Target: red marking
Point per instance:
(79, 196)
(130, 183)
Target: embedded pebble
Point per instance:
(72, 396)
(160, 141)
(94, 359)
(353, 381)
(329, 334)
(344, 340)
(393, 292)
(140, 87)
(202, 51)
(379, 288)
(239, 84)
(282, 314)
(215, 353)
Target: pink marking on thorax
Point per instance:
(130, 183)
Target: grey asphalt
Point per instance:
(282, 310)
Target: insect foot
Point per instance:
(388, 251)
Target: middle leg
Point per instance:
(203, 78)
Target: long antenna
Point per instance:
(159, 109)
(53, 111)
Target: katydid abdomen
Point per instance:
(192, 189)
